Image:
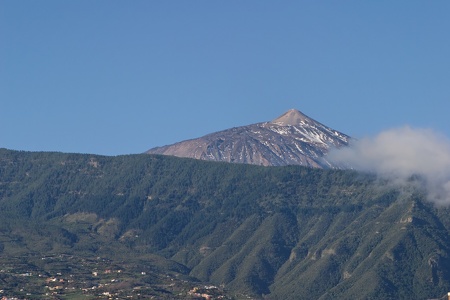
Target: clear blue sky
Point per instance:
(120, 77)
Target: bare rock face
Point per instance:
(291, 139)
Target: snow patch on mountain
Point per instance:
(291, 139)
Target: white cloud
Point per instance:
(399, 153)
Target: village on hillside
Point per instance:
(62, 276)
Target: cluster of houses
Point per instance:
(207, 293)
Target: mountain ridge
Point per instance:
(291, 139)
(265, 232)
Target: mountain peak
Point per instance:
(291, 139)
(291, 117)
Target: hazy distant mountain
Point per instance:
(291, 139)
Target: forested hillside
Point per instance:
(275, 232)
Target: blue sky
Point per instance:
(120, 77)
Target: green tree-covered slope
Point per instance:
(275, 232)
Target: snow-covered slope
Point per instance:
(291, 139)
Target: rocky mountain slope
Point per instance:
(291, 139)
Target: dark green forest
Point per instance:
(265, 232)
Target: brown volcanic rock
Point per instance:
(291, 139)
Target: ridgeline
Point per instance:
(169, 227)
